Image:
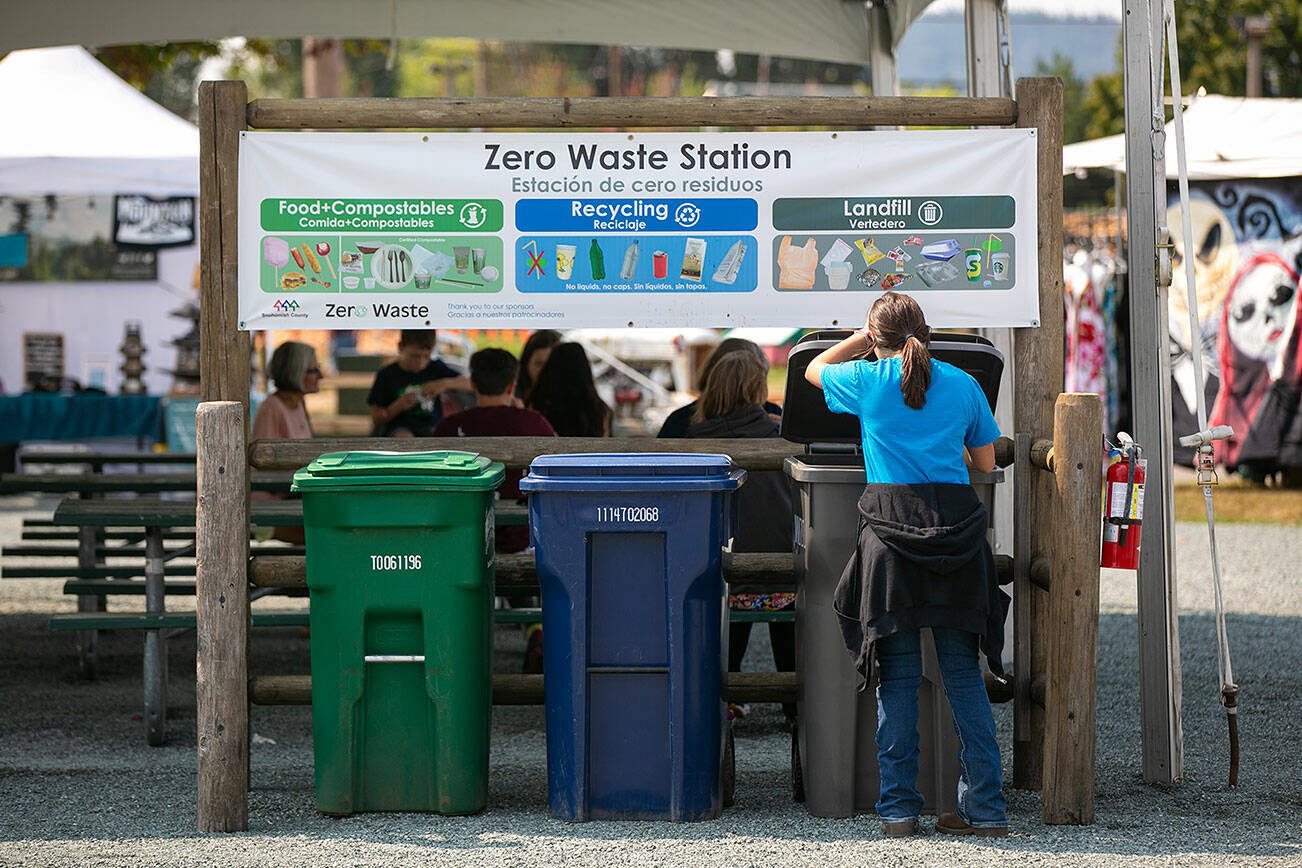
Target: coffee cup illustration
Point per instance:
(999, 266)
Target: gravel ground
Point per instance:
(80, 787)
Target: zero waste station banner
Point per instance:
(560, 230)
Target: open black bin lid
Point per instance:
(805, 417)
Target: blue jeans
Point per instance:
(980, 786)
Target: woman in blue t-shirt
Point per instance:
(922, 559)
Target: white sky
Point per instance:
(1110, 8)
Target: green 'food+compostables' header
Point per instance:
(381, 215)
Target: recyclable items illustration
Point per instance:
(718, 263)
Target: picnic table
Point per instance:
(99, 458)
(155, 516)
(282, 572)
(112, 483)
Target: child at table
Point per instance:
(406, 397)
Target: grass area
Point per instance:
(1242, 502)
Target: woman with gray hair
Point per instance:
(294, 371)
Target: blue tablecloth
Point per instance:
(40, 416)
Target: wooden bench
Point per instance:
(98, 460)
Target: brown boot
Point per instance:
(953, 824)
(900, 828)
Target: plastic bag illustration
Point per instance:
(797, 265)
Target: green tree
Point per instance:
(1074, 117)
(1214, 55)
(168, 73)
(165, 72)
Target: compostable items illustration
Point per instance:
(388, 263)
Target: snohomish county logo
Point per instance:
(286, 308)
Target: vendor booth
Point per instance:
(97, 228)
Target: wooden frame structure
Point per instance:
(1054, 690)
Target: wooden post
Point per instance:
(1037, 354)
(223, 349)
(222, 604)
(222, 516)
(1069, 701)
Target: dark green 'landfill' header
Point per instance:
(868, 213)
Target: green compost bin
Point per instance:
(400, 577)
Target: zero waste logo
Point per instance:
(687, 215)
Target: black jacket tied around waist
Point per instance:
(922, 561)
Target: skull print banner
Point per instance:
(1247, 236)
(557, 230)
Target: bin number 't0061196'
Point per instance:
(628, 513)
(381, 563)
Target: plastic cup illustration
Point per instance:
(368, 282)
(462, 255)
(275, 252)
(477, 257)
(838, 274)
(999, 265)
(423, 279)
(972, 259)
(565, 261)
(660, 264)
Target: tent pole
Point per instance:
(985, 78)
(1150, 390)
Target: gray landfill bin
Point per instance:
(833, 749)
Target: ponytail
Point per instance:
(915, 371)
(898, 324)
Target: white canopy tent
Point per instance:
(831, 30)
(76, 129)
(1226, 138)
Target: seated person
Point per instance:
(567, 395)
(294, 372)
(405, 398)
(677, 422)
(495, 414)
(732, 404)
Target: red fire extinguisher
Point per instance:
(1123, 505)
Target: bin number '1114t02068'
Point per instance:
(628, 513)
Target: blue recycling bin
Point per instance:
(629, 555)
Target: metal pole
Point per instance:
(1150, 391)
(985, 78)
(882, 67)
(1257, 27)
